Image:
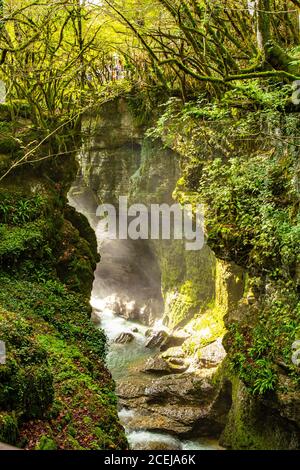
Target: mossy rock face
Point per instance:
(26, 380)
(250, 189)
(55, 389)
(5, 112)
(251, 426)
(15, 241)
(76, 260)
(80, 222)
(187, 277)
(56, 352)
(33, 228)
(8, 145)
(115, 125)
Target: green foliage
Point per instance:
(255, 93)
(8, 428)
(202, 109)
(27, 232)
(15, 241)
(17, 210)
(26, 381)
(266, 379)
(244, 168)
(46, 443)
(67, 312)
(55, 373)
(244, 213)
(254, 353)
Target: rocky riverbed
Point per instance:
(162, 391)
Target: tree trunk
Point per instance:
(263, 24)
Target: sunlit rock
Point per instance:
(212, 355)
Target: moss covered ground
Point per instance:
(55, 389)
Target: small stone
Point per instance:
(158, 365)
(124, 338)
(177, 365)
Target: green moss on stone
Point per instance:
(251, 427)
(55, 374)
(26, 383)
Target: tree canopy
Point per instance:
(57, 55)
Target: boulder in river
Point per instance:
(157, 339)
(184, 405)
(124, 338)
(163, 340)
(96, 317)
(157, 365)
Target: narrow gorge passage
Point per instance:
(127, 277)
